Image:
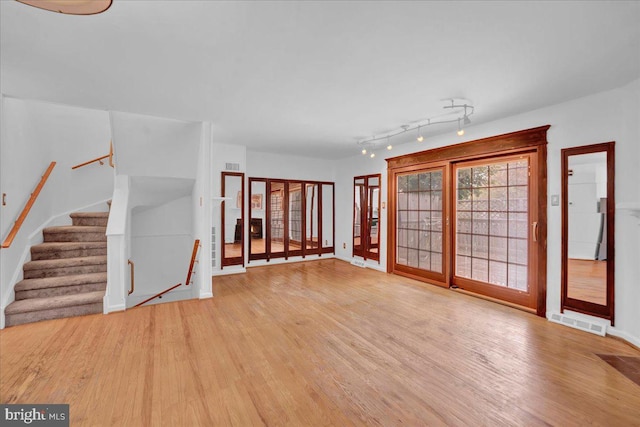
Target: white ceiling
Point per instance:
(312, 78)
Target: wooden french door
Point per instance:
(366, 214)
(473, 216)
(495, 228)
(420, 223)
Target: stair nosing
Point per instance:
(62, 301)
(42, 264)
(50, 282)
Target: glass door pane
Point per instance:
(257, 221)
(419, 223)
(358, 202)
(295, 235)
(327, 216)
(311, 216)
(276, 219)
(491, 222)
(373, 215)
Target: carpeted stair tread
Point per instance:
(61, 281)
(56, 250)
(75, 229)
(89, 215)
(65, 262)
(40, 304)
(99, 219)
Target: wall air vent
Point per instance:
(232, 166)
(584, 325)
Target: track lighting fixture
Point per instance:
(460, 112)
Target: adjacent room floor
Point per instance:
(320, 343)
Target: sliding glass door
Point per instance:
(492, 227)
(473, 216)
(419, 223)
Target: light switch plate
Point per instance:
(555, 200)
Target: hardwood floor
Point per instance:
(319, 343)
(587, 280)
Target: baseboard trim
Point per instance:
(624, 337)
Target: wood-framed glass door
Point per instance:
(495, 228)
(277, 218)
(366, 215)
(290, 218)
(493, 219)
(420, 222)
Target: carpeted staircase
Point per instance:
(67, 274)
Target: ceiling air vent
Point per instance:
(232, 166)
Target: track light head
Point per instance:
(364, 151)
(466, 120)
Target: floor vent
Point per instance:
(583, 325)
(232, 166)
(358, 263)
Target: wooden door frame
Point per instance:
(365, 235)
(607, 311)
(503, 293)
(439, 279)
(236, 260)
(528, 140)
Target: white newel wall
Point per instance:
(202, 221)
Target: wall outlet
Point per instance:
(344, 246)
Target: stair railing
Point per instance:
(194, 253)
(16, 227)
(132, 272)
(98, 159)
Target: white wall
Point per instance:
(161, 245)
(33, 135)
(608, 116)
(154, 146)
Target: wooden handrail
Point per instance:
(132, 272)
(111, 154)
(14, 231)
(97, 159)
(196, 245)
(158, 295)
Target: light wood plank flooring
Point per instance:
(319, 343)
(587, 280)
